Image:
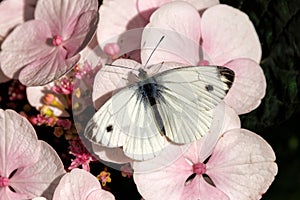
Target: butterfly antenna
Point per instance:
(161, 39)
(120, 66)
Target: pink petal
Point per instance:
(7, 194)
(117, 16)
(228, 34)
(36, 94)
(249, 85)
(80, 184)
(244, 156)
(161, 184)
(146, 8)
(170, 154)
(13, 13)
(17, 148)
(179, 22)
(62, 16)
(82, 32)
(114, 155)
(208, 191)
(40, 178)
(47, 69)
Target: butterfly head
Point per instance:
(142, 74)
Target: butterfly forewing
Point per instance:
(188, 97)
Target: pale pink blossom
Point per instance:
(82, 156)
(28, 167)
(221, 35)
(42, 50)
(80, 185)
(240, 166)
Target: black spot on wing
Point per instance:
(209, 88)
(109, 128)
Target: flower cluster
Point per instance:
(57, 51)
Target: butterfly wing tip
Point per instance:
(226, 75)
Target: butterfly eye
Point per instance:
(109, 128)
(209, 88)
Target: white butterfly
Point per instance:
(176, 105)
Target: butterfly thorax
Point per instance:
(148, 89)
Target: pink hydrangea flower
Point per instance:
(226, 37)
(42, 50)
(82, 156)
(28, 167)
(80, 184)
(240, 166)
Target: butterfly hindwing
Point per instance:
(125, 120)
